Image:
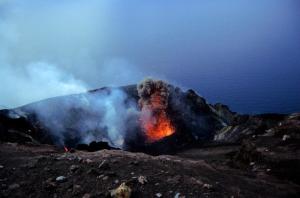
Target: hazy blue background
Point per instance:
(242, 53)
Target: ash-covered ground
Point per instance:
(213, 152)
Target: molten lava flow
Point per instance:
(158, 127)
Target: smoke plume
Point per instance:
(47, 50)
(154, 96)
(36, 81)
(83, 118)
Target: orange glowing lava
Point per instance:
(158, 127)
(154, 98)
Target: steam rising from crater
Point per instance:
(87, 117)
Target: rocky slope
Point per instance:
(70, 120)
(45, 171)
(216, 153)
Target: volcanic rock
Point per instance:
(13, 186)
(116, 181)
(225, 113)
(61, 179)
(93, 171)
(178, 195)
(244, 126)
(123, 191)
(50, 184)
(73, 168)
(142, 180)
(105, 178)
(104, 165)
(88, 161)
(207, 186)
(195, 167)
(86, 195)
(94, 146)
(285, 137)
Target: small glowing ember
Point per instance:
(66, 149)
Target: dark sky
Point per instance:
(242, 53)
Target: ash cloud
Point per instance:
(154, 94)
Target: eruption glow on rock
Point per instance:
(153, 102)
(157, 127)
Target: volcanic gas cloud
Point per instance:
(154, 95)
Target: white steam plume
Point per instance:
(83, 118)
(47, 49)
(34, 82)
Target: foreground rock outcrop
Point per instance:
(45, 171)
